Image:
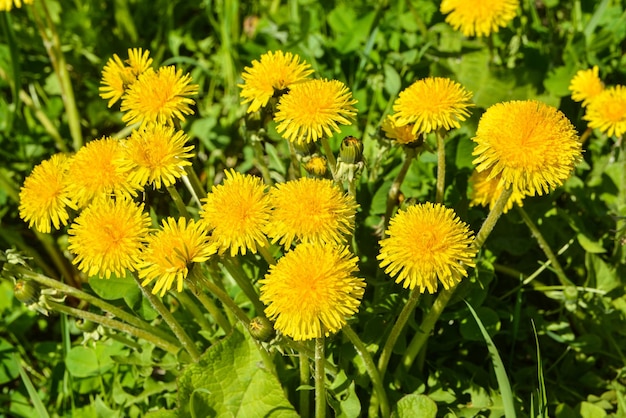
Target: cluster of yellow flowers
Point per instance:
(605, 107)
(7, 5)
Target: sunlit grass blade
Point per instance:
(542, 397)
(32, 392)
(498, 367)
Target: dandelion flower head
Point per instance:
(118, 77)
(272, 74)
(607, 111)
(43, 197)
(402, 134)
(530, 145)
(156, 154)
(170, 252)
(586, 85)
(479, 17)
(7, 5)
(107, 237)
(313, 109)
(159, 97)
(95, 171)
(425, 243)
(310, 210)
(311, 291)
(486, 190)
(432, 103)
(317, 166)
(237, 212)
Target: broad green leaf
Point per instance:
(589, 245)
(589, 410)
(9, 369)
(415, 405)
(231, 379)
(83, 362)
(114, 287)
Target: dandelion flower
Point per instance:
(159, 97)
(486, 190)
(311, 291)
(427, 242)
(7, 5)
(402, 134)
(310, 210)
(586, 85)
(156, 154)
(313, 109)
(432, 103)
(479, 17)
(317, 166)
(117, 77)
(237, 212)
(270, 76)
(95, 172)
(530, 145)
(44, 198)
(107, 237)
(607, 111)
(170, 252)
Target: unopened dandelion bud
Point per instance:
(351, 150)
(305, 148)
(261, 329)
(27, 291)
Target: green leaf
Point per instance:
(9, 369)
(113, 288)
(589, 410)
(490, 320)
(83, 362)
(590, 246)
(231, 379)
(415, 405)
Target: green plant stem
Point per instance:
(58, 259)
(116, 325)
(394, 191)
(396, 330)
(300, 347)
(320, 379)
(169, 319)
(261, 163)
(330, 156)
(194, 181)
(207, 302)
(23, 272)
(190, 305)
(223, 297)
(178, 201)
(430, 319)
(295, 164)
(234, 268)
(305, 376)
(265, 253)
(545, 247)
(441, 167)
(370, 367)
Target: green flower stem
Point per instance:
(169, 319)
(208, 303)
(302, 348)
(261, 163)
(295, 164)
(394, 191)
(58, 259)
(116, 325)
(20, 271)
(305, 376)
(234, 268)
(404, 316)
(194, 181)
(265, 253)
(332, 162)
(372, 371)
(429, 320)
(223, 297)
(441, 167)
(545, 247)
(320, 379)
(44, 121)
(178, 201)
(188, 303)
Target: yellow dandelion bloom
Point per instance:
(432, 103)
(310, 210)
(95, 171)
(171, 251)
(159, 97)
(427, 242)
(530, 145)
(311, 291)
(43, 197)
(402, 134)
(313, 109)
(237, 212)
(156, 154)
(7, 5)
(117, 77)
(107, 237)
(273, 74)
(479, 17)
(317, 166)
(607, 111)
(586, 85)
(486, 190)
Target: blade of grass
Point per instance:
(498, 367)
(32, 392)
(542, 396)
